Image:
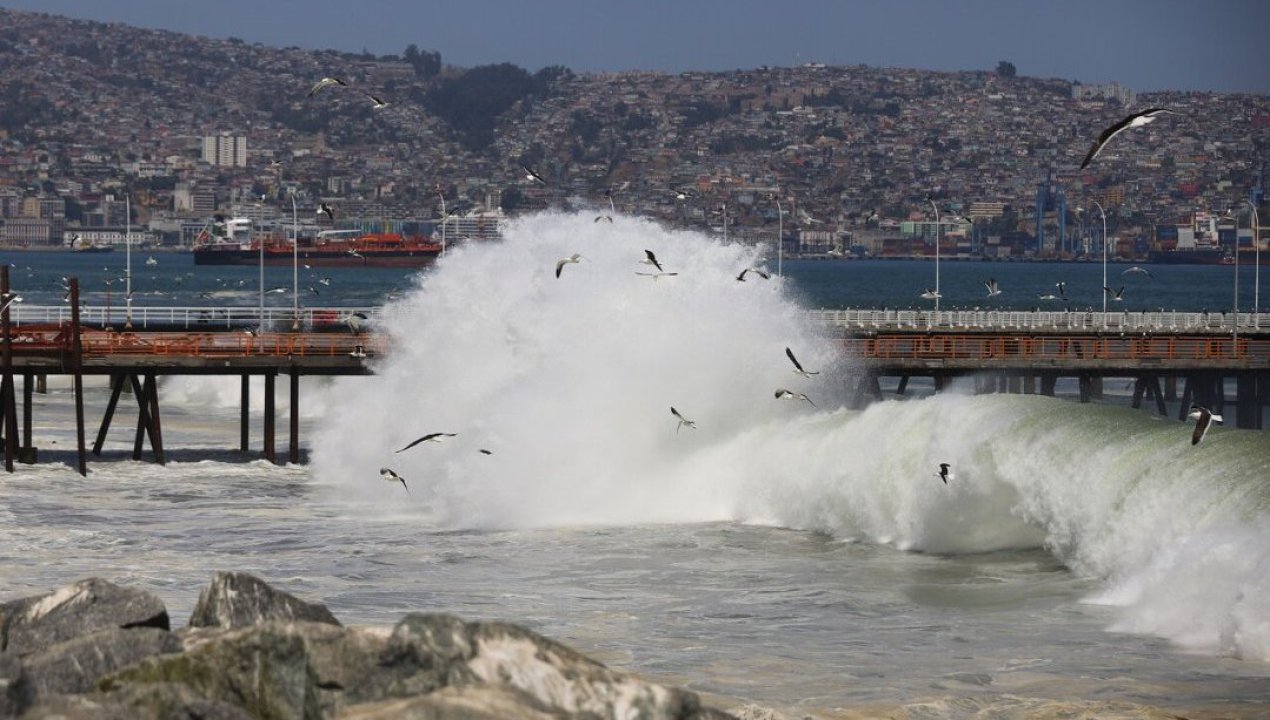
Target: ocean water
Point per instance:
(802, 557)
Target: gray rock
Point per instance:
(78, 609)
(237, 599)
(151, 701)
(455, 703)
(15, 689)
(264, 672)
(75, 666)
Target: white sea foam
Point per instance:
(569, 383)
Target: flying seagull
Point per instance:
(798, 368)
(655, 275)
(1115, 294)
(608, 192)
(325, 82)
(1203, 417)
(1062, 288)
(993, 289)
(324, 209)
(1135, 120)
(376, 103)
(945, 472)
(1138, 270)
(682, 420)
(682, 194)
(565, 261)
(387, 474)
(756, 271)
(651, 259)
(430, 437)
(783, 394)
(533, 176)
(930, 294)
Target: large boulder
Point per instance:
(76, 665)
(151, 701)
(15, 687)
(76, 610)
(236, 599)
(264, 672)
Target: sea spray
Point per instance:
(568, 383)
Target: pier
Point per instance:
(1003, 351)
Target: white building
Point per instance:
(1110, 91)
(225, 150)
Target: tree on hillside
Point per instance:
(1005, 69)
(473, 103)
(426, 64)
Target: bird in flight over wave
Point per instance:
(325, 83)
(532, 176)
(783, 394)
(1135, 120)
(756, 271)
(565, 261)
(1139, 271)
(655, 275)
(1115, 294)
(945, 472)
(1203, 418)
(430, 437)
(651, 259)
(993, 289)
(798, 368)
(387, 474)
(608, 193)
(682, 420)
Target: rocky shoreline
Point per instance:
(98, 650)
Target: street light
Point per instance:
(1104, 262)
(938, 229)
(295, 265)
(1256, 274)
(444, 219)
(10, 301)
(780, 233)
(127, 316)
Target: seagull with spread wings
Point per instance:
(1135, 120)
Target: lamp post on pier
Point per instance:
(295, 266)
(780, 233)
(127, 316)
(938, 228)
(1103, 213)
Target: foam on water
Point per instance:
(569, 383)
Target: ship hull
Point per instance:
(317, 258)
(1186, 257)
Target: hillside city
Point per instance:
(106, 128)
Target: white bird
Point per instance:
(756, 271)
(1115, 294)
(682, 194)
(565, 261)
(1048, 296)
(376, 103)
(1203, 417)
(783, 394)
(612, 208)
(435, 437)
(945, 473)
(655, 275)
(1135, 120)
(798, 368)
(151, 261)
(682, 420)
(532, 176)
(324, 209)
(354, 321)
(930, 294)
(1138, 270)
(325, 82)
(387, 474)
(993, 289)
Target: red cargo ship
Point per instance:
(333, 248)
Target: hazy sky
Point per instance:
(1221, 45)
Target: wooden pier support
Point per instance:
(77, 367)
(270, 452)
(7, 393)
(244, 414)
(899, 390)
(27, 453)
(293, 455)
(1250, 394)
(146, 393)
(1048, 382)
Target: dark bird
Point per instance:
(532, 176)
(756, 271)
(1135, 120)
(1115, 294)
(1203, 417)
(324, 83)
(798, 368)
(324, 209)
(651, 259)
(430, 437)
(566, 261)
(945, 472)
(1062, 289)
(783, 394)
(387, 474)
(483, 451)
(682, 420)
